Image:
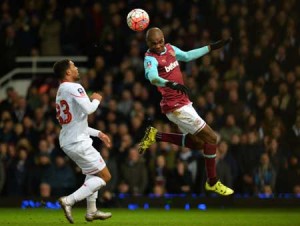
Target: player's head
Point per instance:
(155, 40)
(66, 70)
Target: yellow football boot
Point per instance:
(148, 139)
(219, 188)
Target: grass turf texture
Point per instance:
(155, 217)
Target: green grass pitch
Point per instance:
(155, 217)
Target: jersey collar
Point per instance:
(162, 53)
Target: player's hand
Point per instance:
(96, 96)
(106, 140)
(219, 44)
(179, 87)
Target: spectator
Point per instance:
(64, 181)
(50, 35)
(8, 103)
(276, 155)
(71, 32)
(190, 158)
(2, 174)
(247, 150)
(45, 191)
(158, 190)
(270, 121)
(17, 173)
(234, 106)
(112, 166)
(224, 167)
(29, 130)
(229, 129)
(7, 131)
(10, 46)
(21, 109)
(42, 172)
(126, 103)
(294, 138)
(288, 176)
(180, 179)
(264, 175)
(159, 174)
(134, 177)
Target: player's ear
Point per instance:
(68, 71)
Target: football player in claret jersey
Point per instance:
(162, 70)
(72, 109)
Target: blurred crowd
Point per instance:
(249, 92)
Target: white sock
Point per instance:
(91, 203)
(91, 185)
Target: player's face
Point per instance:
(156, 43)
(74, 74)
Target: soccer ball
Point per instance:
(138, 19)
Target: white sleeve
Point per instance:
(93, 132)
(83, 100)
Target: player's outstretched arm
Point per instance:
(219, 44)
(179, 87)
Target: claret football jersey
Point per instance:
(168, 68)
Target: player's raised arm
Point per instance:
(84, 101)
(187, 56)
(190, 55)
(219, 44)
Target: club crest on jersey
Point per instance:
(171, 66)
(148, 64)
(81, 91)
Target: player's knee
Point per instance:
(213, 138)
(207, 135)
(106, 177)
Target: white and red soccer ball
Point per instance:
(138, 19)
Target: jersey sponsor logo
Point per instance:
(81, 91)
(171, 66)
(148, 64)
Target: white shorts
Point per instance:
(85, 156)
(187, 119)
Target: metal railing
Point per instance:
(35, 66)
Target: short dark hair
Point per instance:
(60, 68)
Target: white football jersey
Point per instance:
(72, 109)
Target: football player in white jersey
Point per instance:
(72, 109)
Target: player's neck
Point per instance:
(65, 80)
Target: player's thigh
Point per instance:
(187, 119)
(86, 157)
(208, 135)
